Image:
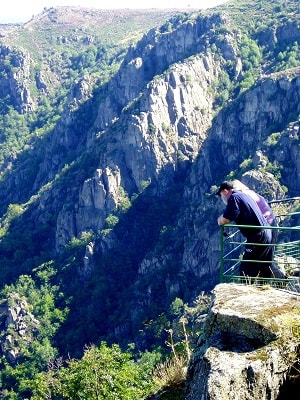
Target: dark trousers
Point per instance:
(262, 251)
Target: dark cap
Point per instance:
(224, 185)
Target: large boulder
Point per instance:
(249, 345)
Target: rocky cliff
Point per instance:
(131, 160)
(18, 327)
(249, 348)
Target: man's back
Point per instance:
(242, 209)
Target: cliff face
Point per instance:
(168, 122)
(249, 347)
(170, 128)
(18, 327)
(149, 145)
(15, 81)
(173, 121)
(160, 51)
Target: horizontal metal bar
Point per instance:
(263, 227)
(288, 199)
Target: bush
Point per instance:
(103, 373)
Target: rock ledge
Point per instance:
(249, 345)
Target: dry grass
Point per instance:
(172, 372)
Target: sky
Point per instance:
(22, 11)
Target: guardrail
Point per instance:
(286, 249)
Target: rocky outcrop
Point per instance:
(99, 196)
(249, 345)
(162, 130)
(172, 120)
(18, 325)
(148, 131)
(15, 85)
(261, 109)
(156, 52)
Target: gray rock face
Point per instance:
(250, 342)
(17, 84)
(17, 326)
(159, 115)
(154, 54)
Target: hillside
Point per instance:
(61, 44)
(116, 127)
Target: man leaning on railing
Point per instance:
(244, 211)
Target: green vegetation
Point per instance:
(272, 140)
(101, 372)
(96, 332)
(34, 349)
(152, 129)
(104, 373)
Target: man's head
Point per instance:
(225, 190)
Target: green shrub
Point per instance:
(104, 373)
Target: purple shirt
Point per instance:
(262, 204)
(242, 209)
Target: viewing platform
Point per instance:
(286, 249)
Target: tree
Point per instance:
(104, 373)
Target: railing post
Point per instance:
(222, 253)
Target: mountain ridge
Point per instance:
(113, 185)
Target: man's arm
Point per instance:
(222, 220)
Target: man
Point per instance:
(243, 210)
(260, 201)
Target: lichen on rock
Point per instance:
(249, 344)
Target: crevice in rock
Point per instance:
(228, 341)
(292, 383)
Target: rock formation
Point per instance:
(17, 327)
(249, 347)
(170, 123)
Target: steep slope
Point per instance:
(129, 167)
(43, 59)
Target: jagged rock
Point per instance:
(98, 197)
(259, 160)
(88, 263)
(157, 115)
(40, 82)
(14, 313)
(264, 183)
(149, 147)
(19, 82)
(153, 55)
(249, 344)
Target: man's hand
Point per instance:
(222, 220)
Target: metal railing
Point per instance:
(286, 249)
